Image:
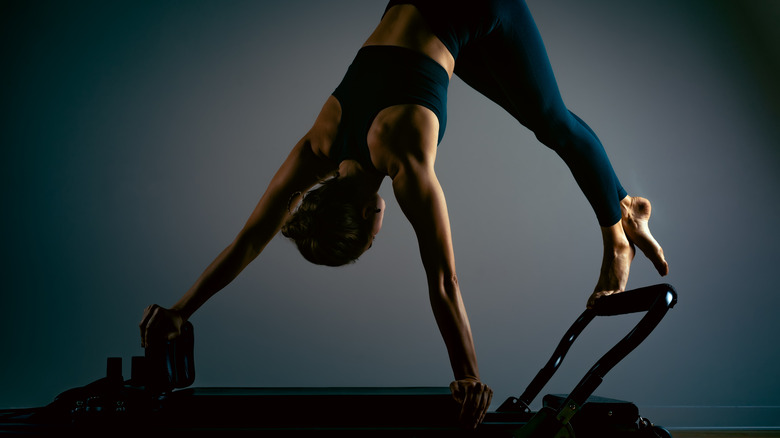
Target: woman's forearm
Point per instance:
(261, 227)
(225, 267)
(453, 322)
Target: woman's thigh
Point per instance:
(510, 66)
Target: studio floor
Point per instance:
(725, 433)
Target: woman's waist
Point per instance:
(404, 26)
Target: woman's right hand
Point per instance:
(159, 324)
(474, 398)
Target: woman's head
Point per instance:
(335, 223)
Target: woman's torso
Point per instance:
(438, 29)
(401, 26)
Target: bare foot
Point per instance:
(615, 264)
(636, 214)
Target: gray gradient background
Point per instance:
(138, 136)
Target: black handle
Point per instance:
(655, 300)
(171, 365)
(636, 300)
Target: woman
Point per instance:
(386, 119)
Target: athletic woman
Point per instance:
(386, 119)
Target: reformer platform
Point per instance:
(158, 398)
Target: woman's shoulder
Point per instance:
(401, 133)
(325, 128)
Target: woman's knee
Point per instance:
(555, 128)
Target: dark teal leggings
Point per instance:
(510, 66)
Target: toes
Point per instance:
(595, 296)
(656, 256)
(660, 263)
(652, 250)
(637, 229)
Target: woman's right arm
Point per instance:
(300, 171)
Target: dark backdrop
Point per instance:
(137, 137)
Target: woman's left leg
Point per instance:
(510, 66)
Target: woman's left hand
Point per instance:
(159, 324)
(474, 398)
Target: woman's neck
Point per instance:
(367, 180)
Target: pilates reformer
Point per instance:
(158, 398)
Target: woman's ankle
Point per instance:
(615, 238)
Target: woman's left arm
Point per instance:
(421, 198)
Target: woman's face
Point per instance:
(374, 211)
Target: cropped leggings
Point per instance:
(510, 66)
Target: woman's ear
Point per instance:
(370, 209)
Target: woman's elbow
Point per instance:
(445, 287)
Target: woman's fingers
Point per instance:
(474, 398)
(154, 321)
(487, 398)
(146, 320)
